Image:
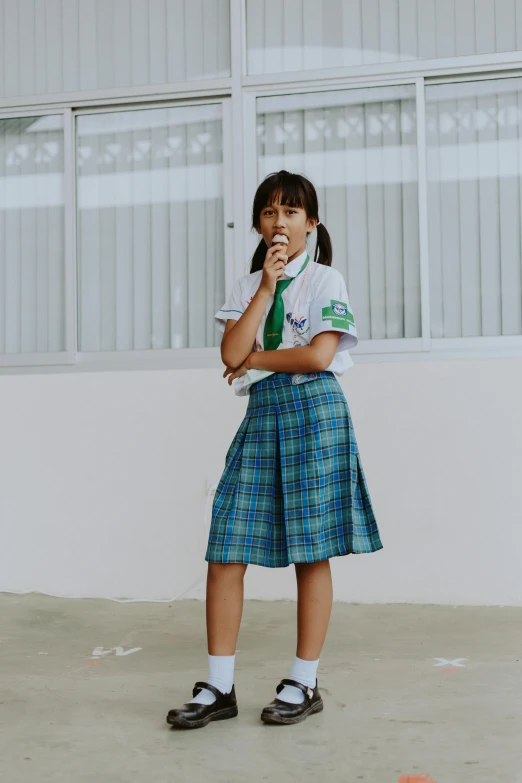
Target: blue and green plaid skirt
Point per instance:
(293, 489)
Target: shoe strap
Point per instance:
(199, 685)
(308, 692)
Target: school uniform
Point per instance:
(293, 489)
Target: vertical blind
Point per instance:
(150, 228)
(474, 134)
(296, 35)
(50, 46)
(359, 149)
(32, 256)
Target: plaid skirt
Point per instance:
(293, 489)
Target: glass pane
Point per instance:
(296, 35)
(32, 247)
(54, 46)
(359, 148)
(150, 228)
(475, 204)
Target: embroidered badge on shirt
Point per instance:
(298, 323)
(338, 314)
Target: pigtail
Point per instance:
(323, 248)
(258, 259)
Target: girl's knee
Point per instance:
(316, 565)
(226, 570)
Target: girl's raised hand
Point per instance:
(273, 267)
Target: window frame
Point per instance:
(425, 347)
(239, 93)
(72, 358)
(166, 357)
(67, 356)
(377, 346)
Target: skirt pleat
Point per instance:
(293, 489)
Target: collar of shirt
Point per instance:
(294, 266)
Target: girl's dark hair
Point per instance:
(291, 190)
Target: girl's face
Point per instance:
(291, 221)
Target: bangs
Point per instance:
(287, 189)
(288, 194)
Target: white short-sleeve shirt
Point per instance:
(317, 301)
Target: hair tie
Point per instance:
(318, 222)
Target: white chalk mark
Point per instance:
(99, 651)
(119, 650)
(444, 662)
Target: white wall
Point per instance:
(103, 479)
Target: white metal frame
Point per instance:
(9, 362)
(175, 357)
(422, 190)
(444, 68)
(239, 94)
(72, 359)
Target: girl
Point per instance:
(293, 489)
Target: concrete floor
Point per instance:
(391, 715)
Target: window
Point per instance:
(32, 245)
(133, 136)
(359, 148)
(474, 134)
(150, 228)
(49, 46)
(306, 35)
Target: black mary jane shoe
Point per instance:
(194, 716)
(279, 711)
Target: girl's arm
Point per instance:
(237, 343)
(306, 358)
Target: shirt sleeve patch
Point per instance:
(337, 312)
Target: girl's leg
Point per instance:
(224, 606)
(314, 607)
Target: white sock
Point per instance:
(304, 672)
(221, 676)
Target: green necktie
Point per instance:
(273, 332)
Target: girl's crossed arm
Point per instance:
(315, 357)
(239, 338)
